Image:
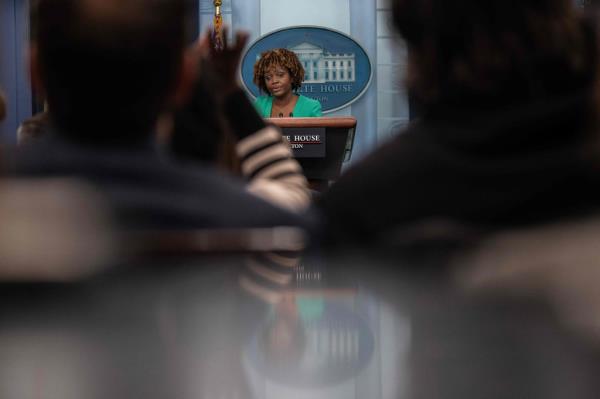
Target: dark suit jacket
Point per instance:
(146, 190)
(490, 167)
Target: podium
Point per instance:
(321, 145)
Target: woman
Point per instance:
(279, 73)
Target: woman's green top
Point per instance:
(305, 107)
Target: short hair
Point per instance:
(278, 57)
(108, 65)
(501, 50)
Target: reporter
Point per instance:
(220, 126)
(130, 54)
(509, 131)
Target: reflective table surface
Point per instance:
(272, 326)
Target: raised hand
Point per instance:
(220, 65)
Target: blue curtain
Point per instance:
(14, 79)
